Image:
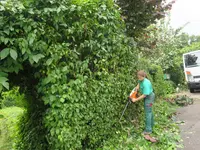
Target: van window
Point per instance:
(192, 60)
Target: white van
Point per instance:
(191, 63)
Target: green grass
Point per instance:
(8, 126)
(165, 130)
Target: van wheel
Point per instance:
(191, 90)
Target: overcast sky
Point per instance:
(184, 11)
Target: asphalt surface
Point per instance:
(190, 129)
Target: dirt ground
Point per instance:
(190, 129)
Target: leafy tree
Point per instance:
(139, 14)
(160, 44)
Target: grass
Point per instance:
(129, 138)
(8, 126)
(165, 130)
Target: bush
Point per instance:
(9, 126)
(77, 68)
(169, 87)
(156, 75)
(75, 64)
(165, 130)
(13, 98)
(161, 87)
(176, 74)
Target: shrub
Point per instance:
(177, 75)
(160, 85)
(75, 65)
(9, 126)
(13, 98)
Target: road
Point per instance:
(190, 129)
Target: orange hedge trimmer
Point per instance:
(133, 94)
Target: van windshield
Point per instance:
(192, 60)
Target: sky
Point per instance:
(184, 11)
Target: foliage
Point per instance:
(161, 87)
(187, 40)
(13, 98)
(74, 63)
(192, 47)
(160, 44)
(179, 59)
(165, 130)
(8, 126)
(176, 74)
(156, 75)
(139, 14)
(169, 87)
(181, 100)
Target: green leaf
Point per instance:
(23, 50)
(6, 85)
(3, 79)
(3, 74)
(5, 41)
(13, 54)
(1, 87)
(5, 53)
(62, 100)
(37, 57)
(49, 61)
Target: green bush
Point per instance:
(9, 126)
(156, 75)
(169, 87)
(76, 63)
(165, 130)
(161, 86)
(13, 98)
(177, 74)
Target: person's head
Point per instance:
(141, 75)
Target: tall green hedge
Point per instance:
(75, 64)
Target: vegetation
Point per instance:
(165, 130)
(139, 14)
(70, 63)
(9, 120)
(13, 98)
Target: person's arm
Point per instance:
(137, 87)
(145, 92)
(139, 98)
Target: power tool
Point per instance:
(133, 94)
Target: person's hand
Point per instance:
(133, 100)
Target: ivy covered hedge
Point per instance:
(76, 66)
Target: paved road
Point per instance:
(190, 130)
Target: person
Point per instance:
(146, 90)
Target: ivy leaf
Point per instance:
(5, 53)
(13, 54)
(37, 57)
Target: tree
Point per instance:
(139, 14)
(160, 44)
